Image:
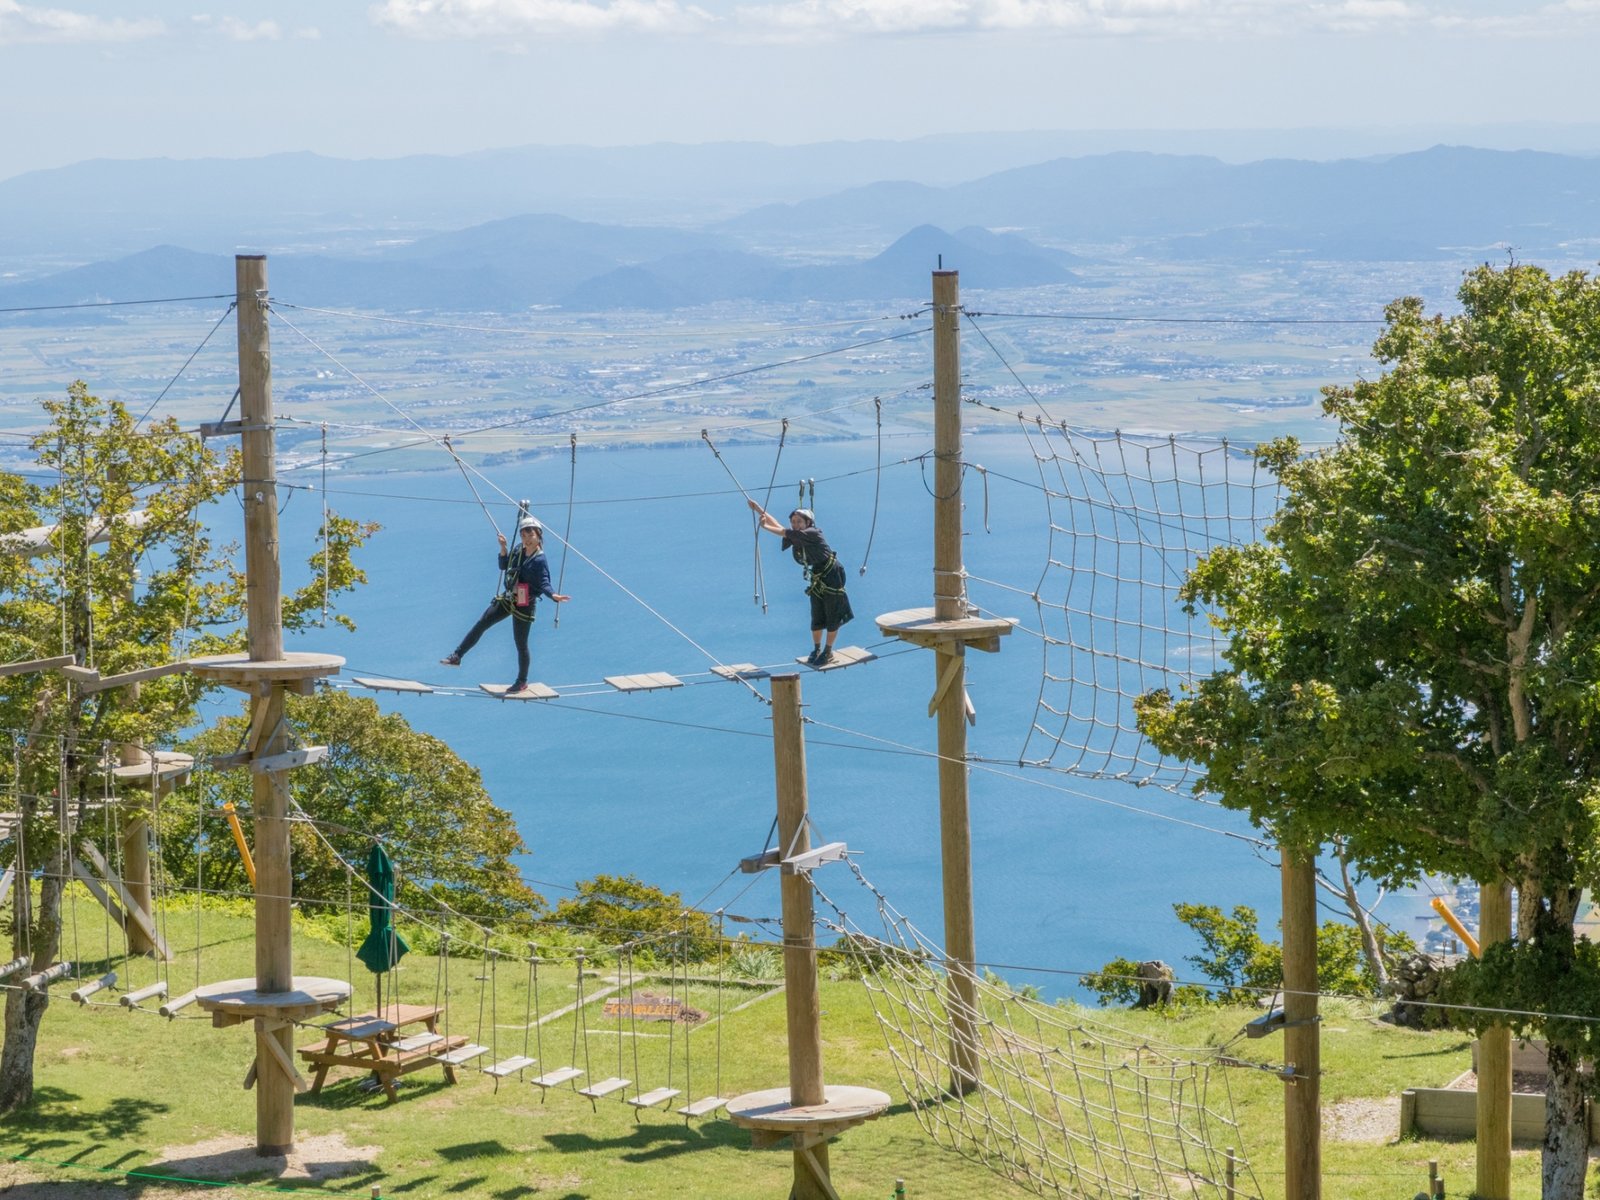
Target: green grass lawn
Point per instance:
(122, 1091)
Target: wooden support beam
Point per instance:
(127, 677)
(759, 862)
(267, 1040)
(136, 914)
(947, 675)
(87, 878)
(38, 664)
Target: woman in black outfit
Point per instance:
(830, 607)
(525, 577)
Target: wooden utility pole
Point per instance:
(1494, 1061)
(804, 1009)
(949, 629)
(269, 790)
(950, 674)
(1302, 1050)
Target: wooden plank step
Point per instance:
(359, 1028)
(604, 1088)
(392, 685)
(740, 671)
(699, 1108)
(843, 656)
(657, 1096)
(560, 1075)
(534, 691)
(644, 683)
(509, 1066)
(418, 1041)
(464, 1054)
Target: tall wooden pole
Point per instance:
(804, 1009)
(1302, 1095)
(136, 852)
(1494, 1061)
(269, 790)
(950, 674)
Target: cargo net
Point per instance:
(1129, 516)
(1063, 1105)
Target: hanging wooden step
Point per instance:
(560, 1075)
(699, 1108)
(534, 691)
(843, 656)
(737, 671)
(644, 683)
(392, 685)
(509, 1066)
(604, 1088)
(654, 1097)
(418, 1041)
(463, 1054)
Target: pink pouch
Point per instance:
(521, 595)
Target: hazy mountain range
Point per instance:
(380, 233)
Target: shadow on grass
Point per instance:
(650, 1143)
(1439, 1052)
(472, 1150)
(348, 1092)
(55, 1111)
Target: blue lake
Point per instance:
(676, 786)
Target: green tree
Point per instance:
(613, 909)
(159, 589)
(1414, 649)
(382, 779)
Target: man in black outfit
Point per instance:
(830, 607)
(526, 577)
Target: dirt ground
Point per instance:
(313, 1159)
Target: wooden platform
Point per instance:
(770, 1116)
(644, 683)
(534, 691)
(392, 685)
(918, 625)
(297, 670)
(843, 656)
(164, 766)
(236, 1000)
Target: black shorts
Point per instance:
(830, 611)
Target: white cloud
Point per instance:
(20, 23)
(793, 19)
(502, 18)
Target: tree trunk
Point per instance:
(1363, 920)
(24, 1012)
(1565, 1156)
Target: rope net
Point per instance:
(1064, 1105)
(1128, 517)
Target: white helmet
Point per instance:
(529, 522)
(811, 517)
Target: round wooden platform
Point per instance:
(919, 625)
(163, 767)
(843, 1107)
(235, 1000)
(242, 669)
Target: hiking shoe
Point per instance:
(517, 689)
(811, 659)
(823, 659)
(450, 660)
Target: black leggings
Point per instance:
(496, 612)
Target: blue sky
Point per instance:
(141, 78)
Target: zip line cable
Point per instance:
(25, 308)
(185, 366)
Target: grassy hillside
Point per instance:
(122, 1092)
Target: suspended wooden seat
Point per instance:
(533, 691)
(736, 671)
(605, 1087)
(418, 1041)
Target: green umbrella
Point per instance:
(383, 947)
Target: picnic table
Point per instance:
(376, 1042)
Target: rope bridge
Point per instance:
(1064, 1105)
